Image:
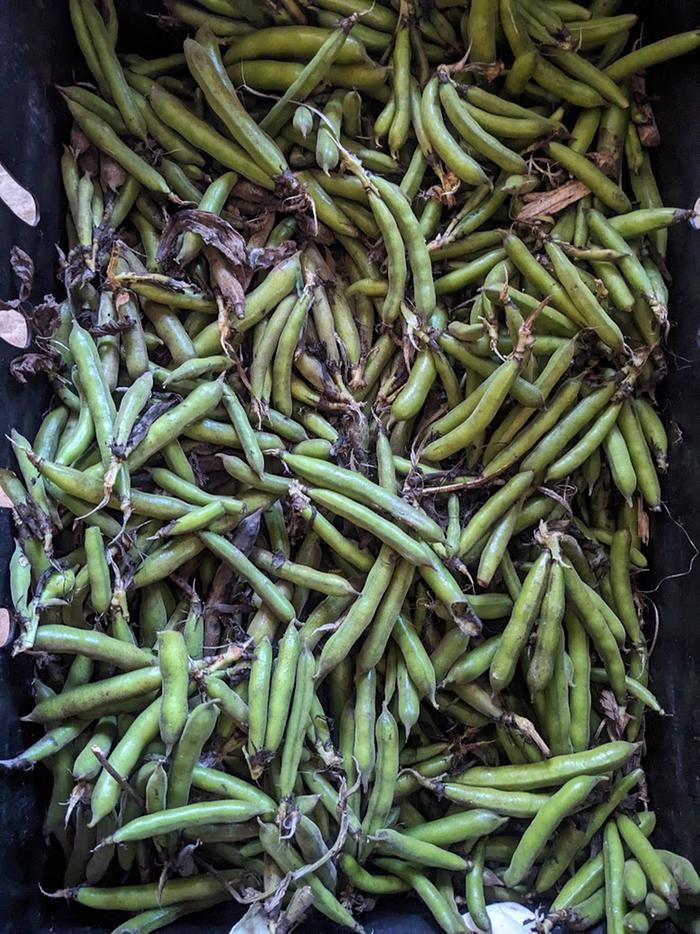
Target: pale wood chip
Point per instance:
(543, 204)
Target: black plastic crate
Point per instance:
(38, 52)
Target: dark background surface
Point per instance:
(37, 51)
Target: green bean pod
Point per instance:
(647, 477)
(659, 876)
(570, 796)
(475, 135)
(296, 723)
(386, 770)
(174, 668)
(204, 61)
(443, 143)
(281, 688)
(515, 635)
(329, 51)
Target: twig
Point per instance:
(119, 779)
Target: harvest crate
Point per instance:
(37, 51)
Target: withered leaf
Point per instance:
(154, 411)
(109, 328)
(260, 228)
(31, 364)
(264, 257)
(23, 268)
(127, 280)
(488, 70)
(445, 192)
(254, 194)
(638, 87)
(44, 318)
(219, 588)
(247, 532)
(465, 618)
(77, 270)
(616, 717)
(214, 231)
(250, 198)
(226, 279)
(607, 163)
(649, 135)
(645, 121)
(310, 228)
(278, 559)
(185, 864)
(36, 523)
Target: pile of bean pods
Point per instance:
(327, 548)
